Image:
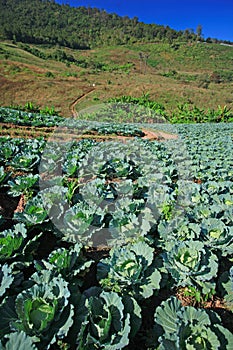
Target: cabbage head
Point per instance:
(130, 270)
(17, 340)
(180, 327)
(42, 311)
(191, 263)
(108, 322)
(217, 236)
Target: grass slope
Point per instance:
(199, 73)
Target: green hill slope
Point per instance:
(37, 21)
(52, 54)
(200, 74)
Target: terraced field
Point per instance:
(114, 234)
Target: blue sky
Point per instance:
(215, 16)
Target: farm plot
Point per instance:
(112, 245)
(19, 123)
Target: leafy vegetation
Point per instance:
(130, 271)
(124, 245)
(78, 28)
(42, 310)
(19, 117)
(122, 109)
(185, 113)
(108, 320)
(114, 245)
(190, 264)
(18, 339)
(184, 327)
(30, 107)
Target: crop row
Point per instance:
(106, 241)
(21, 118)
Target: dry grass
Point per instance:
(23, 78)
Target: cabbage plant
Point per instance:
(17, 340)
(3, 176)
(12, 241)
(15, 245)
(130, 270)
(80, 221)
(6, 278)
(190, 263)
(25, 161)
(226, 287)
(23, 185)
(50, 203)
(7, 151)
(217, 236)
(125, 221)
(181, 328)
(177, 229)
(42, 311)
(108, 321)
(70, 263)
(34, 212)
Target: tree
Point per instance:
(199, 31)
(143, 60)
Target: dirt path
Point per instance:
(158, 135)
(31, 131)
(149, 134)
(9, 129)
(73, 104)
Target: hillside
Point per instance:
(46, 22)
(52, 54)
(199, 73)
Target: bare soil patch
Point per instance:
(7, 205)
(13, 130)
(82, 96)
(158, 135)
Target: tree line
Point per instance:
(46, 22)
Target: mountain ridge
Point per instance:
(47, 22)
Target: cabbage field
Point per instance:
(119, 243)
